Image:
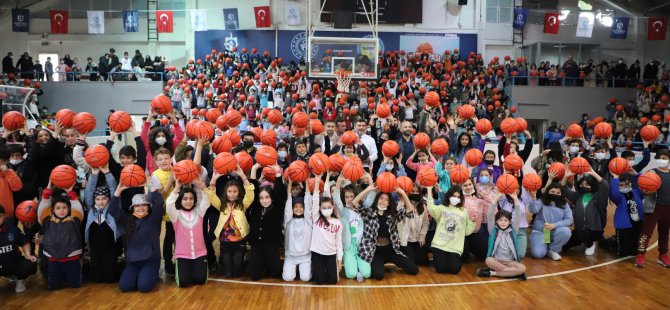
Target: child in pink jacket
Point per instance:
(426, 159)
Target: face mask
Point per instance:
(601, 156)
(469, 192)
(15, 162)
(248, 144)
(631, 163)
(625, 190)
(454, 201)
(663, 163)
(553, 197)
(574, 149)
(584, 190)
(489, 162)
(484, 179)
(326, 212)
(282, 154)
(161, 140)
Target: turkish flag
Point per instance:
(657, 27)
(164, 21)
(262, 14)
(551, 23)
(58, 21)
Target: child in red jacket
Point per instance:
(9, 182)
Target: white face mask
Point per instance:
(574, 149)
(382, 208)
(161, 140)
(15, 162)
(454, 201)
(662, 163)
(601, 155)
(282, 154)
(470, 192)
(327, 212)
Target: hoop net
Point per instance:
(343, 80)
(17, 98)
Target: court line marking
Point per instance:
(554, 274)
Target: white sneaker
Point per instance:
(20, 286)
(554, 255)
(359, 277)
(590, 250)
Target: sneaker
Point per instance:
(554, 255)
(522, 277)
(484, 272)
(359, 277)
(169, 270)
(663, 260)
(640, 260)
(20, 286)
(590, 250)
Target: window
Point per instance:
(499, 11)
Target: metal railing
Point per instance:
(71, 76)
(540, 81)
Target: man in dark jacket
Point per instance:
(620, 73)
(8, 64)
(25, 66)
(114, 60)
(104, 67)
(138, 59)
(650, 72)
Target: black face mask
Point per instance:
(554, 198)
(584, 190)
(489, 162)
(248, 144)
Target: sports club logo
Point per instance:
(230, 42)
(299, 46)
(369, 49)
(10, 237)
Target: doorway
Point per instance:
(54, 63)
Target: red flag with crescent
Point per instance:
(657, 28)
(262, 14)
(59, 21)
(551, 23)
(164, 21)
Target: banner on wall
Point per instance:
(20, 20)
(262, 14)
(96, 22)
(551, 23)
(432, 45)
(199, 20)
(231, 20)
(59, 20)
(520, 18)
(619, 28)
(164, 20)
(292, 14)
(585, 25)
(657, 27)
(130, 21)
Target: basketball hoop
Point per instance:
(343, 80)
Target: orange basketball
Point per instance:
(649, 182)
(65, 117)
(26, 212)
(203, 129)
(405, 183)
(337, 161)
(532, 182)
(458, 174)
(427, 177)
(120, 121)
(353, 170)
(310, 184)
(269, 173)
(221, 144)
(383, 110)
(386, 182)
(298, 171)
(466, 112)
(132, 176)
(222, 122)
(574, 131)
(244, 160)
(266, 156)
(349, 138)
(390, 148)
(602, 130)
(507, 184)
(234, 118)
(190, 127)
(269, 137)
(317, 126)
(84, 122)
(233, 135)
(300, 119)
(274, 117)
(579, 165)
(186, 171)
(63, 176)
(432, 98)
(649, 133)
(618, 166)
(483, 126)
(474, 157)
(161, 104)
(421, 140)
(224, 163)
(508, 126)
(522, 124)
(319, 163)
(13, 120)
(513, 162)
(97, 156)
(258, 132)
(558, 169)
(212, 115)
(439, 147)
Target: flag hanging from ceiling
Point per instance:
(520, 18)
(59, 21)
(199, 20)
(96, 22)
(131, 21)
(619, 28)
(657, 27)
(551, 23)
(164, 21)
(20, 20)
(293, 14)
(262, 14)
(585, 25)
(230, 19)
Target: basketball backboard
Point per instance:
(326, 56)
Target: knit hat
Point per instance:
(140, 199)
(102, 191)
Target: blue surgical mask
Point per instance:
(484, 179)
(282, 154)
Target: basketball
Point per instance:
(120, 121)
(212, 115)
(224, 163)
(269, 174)
(244, 160)
(427, 177)
(466, 112)
(234, 118)
(474, 157)
(649, 182)
(266, 156)
(258, 132)
(508, 126)
(317, 126)
(186, 171)
(483, 126)
(602, 130)
(558, 169)
(458, 174)
(353, 170)
(432, 99)
(26, 212)
(13, 120)
(532, 182)
(574, 131)
(269, 137)
(132, 176)
(649, 133)
(190, 127)
(618, 166)
(310, 184)
(349, 138)
(522, 124)
(233, 135)
(84, 122)
(274, 117)
(65, 117)
(300, 119)
(390, 148)
(203, 130)
(319, 163)
(337, 161)
(222, 122)
(421, 140)
(97, 156)
(386, 182)
(579, 165)
(439, 147)
(63, 176)
(513, 162)
(383, 110)
(405, 183)
(161, 104)
(298, 171)
(221, 144)
(507, 184)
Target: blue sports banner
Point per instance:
(131, 21)
(619, 28)
(520, 18)
(20, 20)
(231, 20)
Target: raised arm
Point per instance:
(288, 207)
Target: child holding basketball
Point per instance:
(162, 179)
(326, 243)
(425, 157)
(443, 179)
(628, 214)
(9, 182)
(657, 211)
(352, 224)
(298, 238)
